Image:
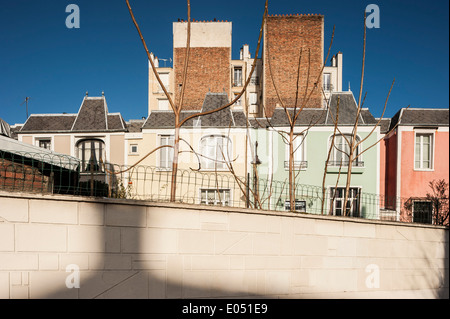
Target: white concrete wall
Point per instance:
(131, 249)
(203, 34)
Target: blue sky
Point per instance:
(55, 66)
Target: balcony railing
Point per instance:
(345, 163)
(297, 165)
(237, 82)
(328, 87)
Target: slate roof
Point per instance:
(385, 125)
(5, 129)
(322, 117)
(48, 123)
(223, 118)
(421, 117)
(93, 116)
(134, 126)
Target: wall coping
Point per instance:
(147, 203)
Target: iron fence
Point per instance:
(56, 174)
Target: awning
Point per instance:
(35, 153)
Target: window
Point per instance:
(165, 80)
(337, 198)
(341, 150)
(133, 149)
(166, 153)
(423, 151)
(91, 152)
(215, 151)
(422, 212)
(45, 143)
(239, 101)
(299, 153)
(237, 76)
(215, 197)
(163, 104)
(300, 205)
(327, 87)
(253, 97)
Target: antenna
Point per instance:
(26, 101)
(165, 60)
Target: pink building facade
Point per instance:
(413, 154)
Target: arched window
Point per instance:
(341, 150)
(215, 151)
(91, 152)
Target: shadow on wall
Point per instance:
(115, 249)
(130, 251)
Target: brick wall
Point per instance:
(284, 37)
(209, 69)
(21, 177)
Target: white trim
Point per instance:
(78, 113)
(399, 172)
(43, 137)
(419, 127)
(378, 164)
(360, 148)
(230, 152)
(330, 187)
(158, 154)
(422, 200)
(230, 200)
(129, 147)
(432, 145)
(302, 147)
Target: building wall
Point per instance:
(135, 249)
(388, 170)
(414, 183)
(117, 155)
(209, 65)
(62, 144)
(155, 93)
(316, 150)
(284, 38)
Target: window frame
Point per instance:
(302, 163)
(328, 88)
(334, 152)
(169, 156)
(333, 208)
(221, 163)
(39, 140)
(130, 151)
(238, 82)
(421, 133)
(430, 217)
(216, 197)
(162, 76)
(85, 162)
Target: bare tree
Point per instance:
(293, 113)
(352, 141)
(439, 198)
(177, 108)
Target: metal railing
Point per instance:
(297, 165)
(37, 173)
